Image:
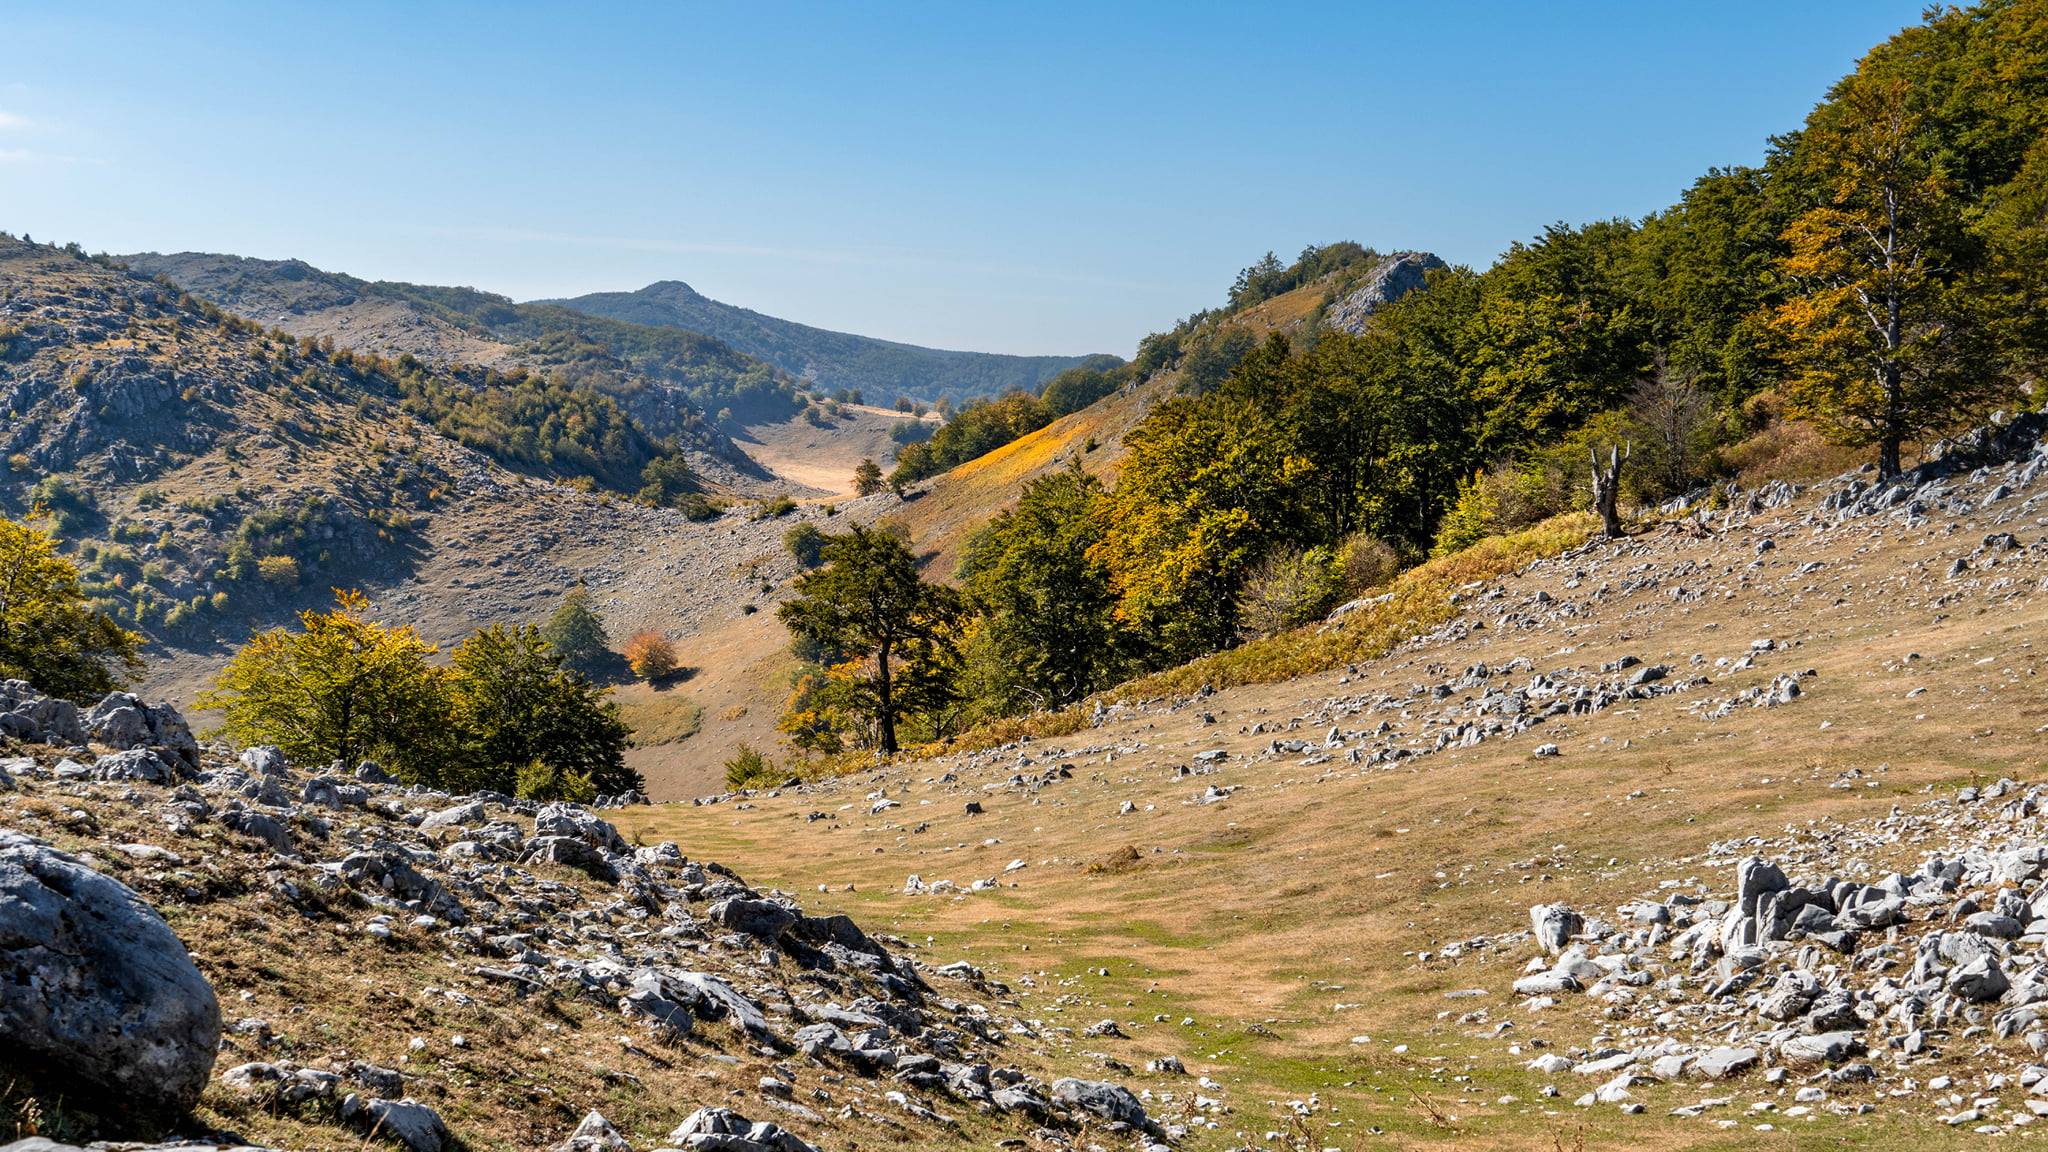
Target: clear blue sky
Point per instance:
(1017, 178)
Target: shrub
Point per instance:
(1286, 589)
(650, 655)
(282, 571)
(774, 509)
(576, 632)
(1366, 562)
(1469, 520)
(696, 506)
(541, 781)
(806, 544)
(69, 506)
(749, 769)
(50, 634)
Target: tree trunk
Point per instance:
(1607, 489)
(886, 698)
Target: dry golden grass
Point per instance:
(1286, 921)
(658, 715)
(956, 503)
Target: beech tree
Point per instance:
(516, 704)
(1879, 329)
(576, 632)
(50, 635)
(891, 629)
(867, 478)
(341, 687)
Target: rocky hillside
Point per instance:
(211, 479)
(1392, 278)
(881, 369)
(372, 964)
(1728, 831)
(674, 382)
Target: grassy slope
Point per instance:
(1285, 922)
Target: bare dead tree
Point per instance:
(1607, 487)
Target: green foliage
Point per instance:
(515, 704)
(892, 631)
(543, 781)
(905, 432)
(1881, 328)
(71, 507)
(550, 425)
(282, 571)
(505, 714)
(1204, 493)
(1471, 518)
(748, 768)
(1048, 633)
(50, 633)
(1082, 385)
(575, 630)
(342, 687)
(867, 478)
(975, 430)
(774, 509)
(1289, 587)
(806, 544)
(1269, 278)
(668, 482)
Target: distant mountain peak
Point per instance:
(882, 369)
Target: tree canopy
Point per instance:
(50, 634)
(889, 632)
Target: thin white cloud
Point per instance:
(868, 258)
(12, 122)
(29, 156)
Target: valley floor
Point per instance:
(1246, 882)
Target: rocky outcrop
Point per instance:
(1395, 277)
(97, 995)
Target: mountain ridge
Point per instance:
(831, 358)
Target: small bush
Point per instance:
(282, 571)
(806, 544)
(1288, 588)
(650, 655)
(774, 509)
(748, 768)
(1366, 562)
(541, 781)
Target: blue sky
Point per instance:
(1016, 178)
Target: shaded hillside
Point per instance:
(211, 477)
(882, 369)
(677, 383)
